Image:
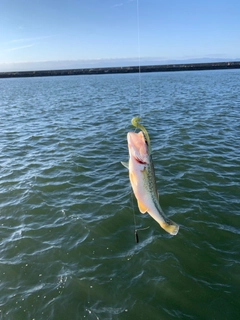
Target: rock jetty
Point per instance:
(133, 69)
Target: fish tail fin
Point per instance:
(170, 226)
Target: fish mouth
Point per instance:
(137, 147)
(140, 161)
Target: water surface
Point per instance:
(67, 214)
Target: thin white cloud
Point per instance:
(21, 47)
(23, 43)
(118, 5)
(29, 39)
(20, 40)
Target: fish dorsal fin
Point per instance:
(125, 164)
(141, 207)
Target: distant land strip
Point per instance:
(133, 69)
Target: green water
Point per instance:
(67, 214)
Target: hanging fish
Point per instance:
(142, 177)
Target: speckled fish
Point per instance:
(142, 177)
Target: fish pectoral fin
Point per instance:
(125, 164)
(141, 207)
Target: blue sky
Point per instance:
(60, 34)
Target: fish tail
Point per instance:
(170, 226)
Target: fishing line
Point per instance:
(134, 220)
(139, 60)
(140, 103)
(135, 224)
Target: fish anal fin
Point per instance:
(170, 226)
(141, 207)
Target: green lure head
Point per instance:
(135, 123)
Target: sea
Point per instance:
(68, 216)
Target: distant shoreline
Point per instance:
(133, 69)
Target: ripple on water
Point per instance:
(68, 216)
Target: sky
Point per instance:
(67, 34)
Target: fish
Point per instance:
(142, 178)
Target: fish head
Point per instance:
(138, 148)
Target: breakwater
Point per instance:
(131, 69)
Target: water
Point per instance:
(66, 211)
